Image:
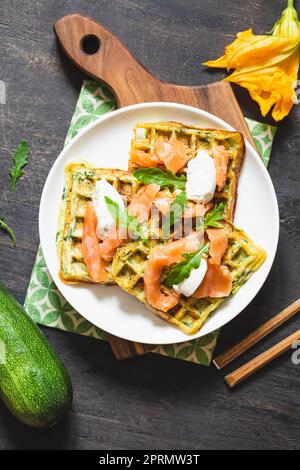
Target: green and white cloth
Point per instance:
(44, 302)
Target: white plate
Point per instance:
(106, 143)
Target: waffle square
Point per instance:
(79, 187)
(145, 136)
(242, 258)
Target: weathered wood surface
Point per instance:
(150, 402)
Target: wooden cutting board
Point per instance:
(100, 54)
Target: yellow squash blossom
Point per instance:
(267, 66)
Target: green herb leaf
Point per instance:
(125, 220)
(213, 218)
(5, 227)
(175, 213)
(163, 178)
(20, 159)
(119, 215)
(182, 270)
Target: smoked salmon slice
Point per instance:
(90, 247)
(139, 207)
(217, 282)
(174, 154)
(144, 159)
(221, 157)
(162, 201)
(141, 203)
(218, 244)
(160, 259)
(197, 210)
(114, 239)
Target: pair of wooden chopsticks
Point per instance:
(240, 374)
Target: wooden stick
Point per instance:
(233, 352)
(238, 375)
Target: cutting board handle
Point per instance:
(100, 54)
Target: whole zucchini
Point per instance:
(34, 384)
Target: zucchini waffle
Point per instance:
(242, 258)
(79, 187)
(146, 135)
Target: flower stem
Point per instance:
(290, 3)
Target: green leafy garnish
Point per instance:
(83, 175)
(5, 227)
(163, 178)
(213, 218)
(182, 270)
(125, 220)
(175, 213)
(20, 159)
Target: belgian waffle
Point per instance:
(79, 187)
(242, 258)
(145, 136)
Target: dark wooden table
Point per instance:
(150, 402)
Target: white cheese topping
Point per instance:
(191, 283)
(106, 221)
(201, 178)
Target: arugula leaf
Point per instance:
(213, 218)
(125, 220)
(118, 214)
(163, 178)
(175, 213)
(5, 227)
(139, 229)
(20, 159)
(182, 270)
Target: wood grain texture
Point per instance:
(258, 334)
(149, 402)
(124, 349)
(248, 369)
(131, 82)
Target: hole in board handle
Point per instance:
(90, 44)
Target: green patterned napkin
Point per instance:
(44, 302)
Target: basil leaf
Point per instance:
(182, 270)
(175, 213)
(20, 159)
(6, 227)
(163, 178)
(213, 218)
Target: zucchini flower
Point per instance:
(267, 65)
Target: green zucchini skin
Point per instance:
(34, 383)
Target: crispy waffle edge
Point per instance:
(240, 242)
(219, 134)
(64, 219)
